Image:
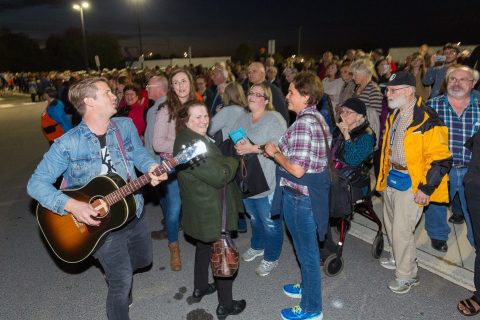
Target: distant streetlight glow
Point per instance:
(80, 7)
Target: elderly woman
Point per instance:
(180, 90)
(352, 147)
(200, 188)
(262, 124)
(353, 141)
(302, 190)
(369, 92)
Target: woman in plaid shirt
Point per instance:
(302, 190)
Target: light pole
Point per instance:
(80, 7)
(139, 27)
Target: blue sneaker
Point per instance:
(293, 290)
(296, 313)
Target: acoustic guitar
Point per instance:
(112, 198)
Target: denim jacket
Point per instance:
(76, 155)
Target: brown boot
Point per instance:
(175, 262)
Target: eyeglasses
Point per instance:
(256, 94)
(394, 90)
(461, 80)
(152, 85)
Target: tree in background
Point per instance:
(244, 53)
(19, 53)
(66, 51)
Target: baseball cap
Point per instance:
(401, 78)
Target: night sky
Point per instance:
(217, 27)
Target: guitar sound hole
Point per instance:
(99, 204)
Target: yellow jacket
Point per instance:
(426, 151)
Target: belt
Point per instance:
(398, 167)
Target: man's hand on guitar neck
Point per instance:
(82, 212)
(156, 179)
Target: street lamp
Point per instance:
(140, 46)
(80, 7)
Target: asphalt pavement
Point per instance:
(36, 285)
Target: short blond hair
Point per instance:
(83, 89)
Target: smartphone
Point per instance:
(440, 58)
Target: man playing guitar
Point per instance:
(100, 146)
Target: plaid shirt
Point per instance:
(460, 128)
(304, 145)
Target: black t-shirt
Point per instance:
(107, 165)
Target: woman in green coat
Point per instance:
(201, 188)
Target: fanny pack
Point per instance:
(399, 180)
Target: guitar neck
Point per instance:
(138, 183)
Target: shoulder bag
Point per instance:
(224, 258)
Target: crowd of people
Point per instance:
(298, 122)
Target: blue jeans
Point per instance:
(267, 234)
(124, 251)
(298, 215)
(173, 207)
(436, 215)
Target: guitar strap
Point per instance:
(63, 184)
(122, 148)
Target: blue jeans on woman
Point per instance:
(173, 207)
(267, 233)
(298, 215)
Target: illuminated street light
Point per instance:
(80, 7)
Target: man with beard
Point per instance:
(460, 110)
(413, 172)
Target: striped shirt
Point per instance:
(304, 145)
(460, 127)
(371, 96)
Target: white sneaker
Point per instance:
(251, 254)
(266, 267)
(388, 263)
(403, 286)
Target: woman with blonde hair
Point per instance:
(235, 105)
(262, 124)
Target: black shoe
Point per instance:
(237, 308)
(198, 294)
(456, 219)
(440, 245)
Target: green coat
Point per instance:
(201, 186)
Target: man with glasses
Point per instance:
(460, 111)
(157, 88)
(257, 75)
(436, 73)
(413, 172)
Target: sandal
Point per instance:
(469, 308)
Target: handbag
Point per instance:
(224, 258)
(340, 194)
(399, 180)
(250, 177)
